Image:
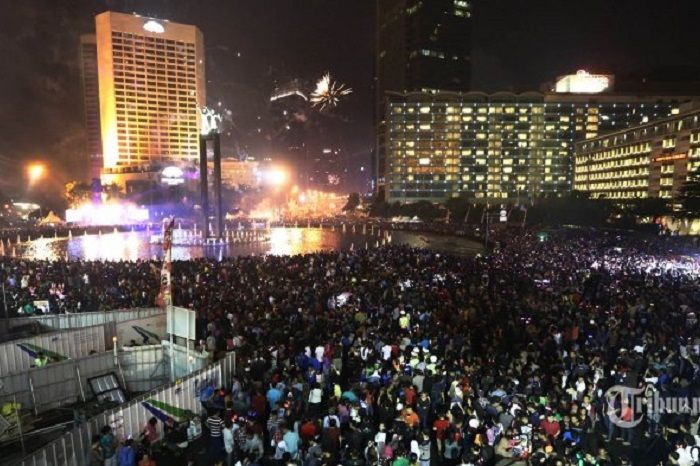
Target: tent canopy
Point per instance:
(51, 219)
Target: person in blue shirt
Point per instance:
(291, 440)
(126, 455)
(273, 396)
(109, 446)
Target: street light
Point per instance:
(35, 172)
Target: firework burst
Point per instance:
(328, 93)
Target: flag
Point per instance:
(165, 297)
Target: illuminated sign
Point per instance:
(669, 158)
(153, 26)
(172, 176)
(584, 83)
(210, 121)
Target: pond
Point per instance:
(279, 241)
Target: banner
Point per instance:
(165, 297)
(148, 331)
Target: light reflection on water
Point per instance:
(283, 241)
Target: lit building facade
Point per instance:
(239, 174)
(502, 147)
(151, 87)
(91, 103)
(421, 46)
(584, 83)
(649, 160)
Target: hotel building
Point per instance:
(502, 147)
(649, 160)
(91, 103)
(151, 86)
(421, 46)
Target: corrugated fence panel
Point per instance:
(56, 384)
(143, 368)
(72, 344)
(128, 419)
(85, 319)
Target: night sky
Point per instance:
(517, 45)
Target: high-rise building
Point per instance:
(501, 147)
(289, 104)
(421, 46)
(151, 86)
(649, 160)
(91, 103)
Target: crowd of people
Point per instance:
(409, 357)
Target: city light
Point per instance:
(35, 172)
(276, 176)
(153, 26)
(107, 214)
(584, 83)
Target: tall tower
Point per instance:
(91, 103)
(151, 85)
(421, 46)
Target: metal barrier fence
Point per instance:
(140, 369)
(178, 400)
(57, 384)
(84, 319)
(143, 367)
(18, 355)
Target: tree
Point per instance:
(379, 208)
(458, 208)
(353, 202)
(575, 209)
(649, 207)
(689, 196)
(77, 193)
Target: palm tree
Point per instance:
(689, 196)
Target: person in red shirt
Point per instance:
(409, 394)
(440, 427)
(410, 418)
(259, 404)
(550, 426)
(308, 430)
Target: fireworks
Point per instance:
(328, 93)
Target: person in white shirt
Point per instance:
(319, 353)
(386, 352)
(315, 398)
(229, 441)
